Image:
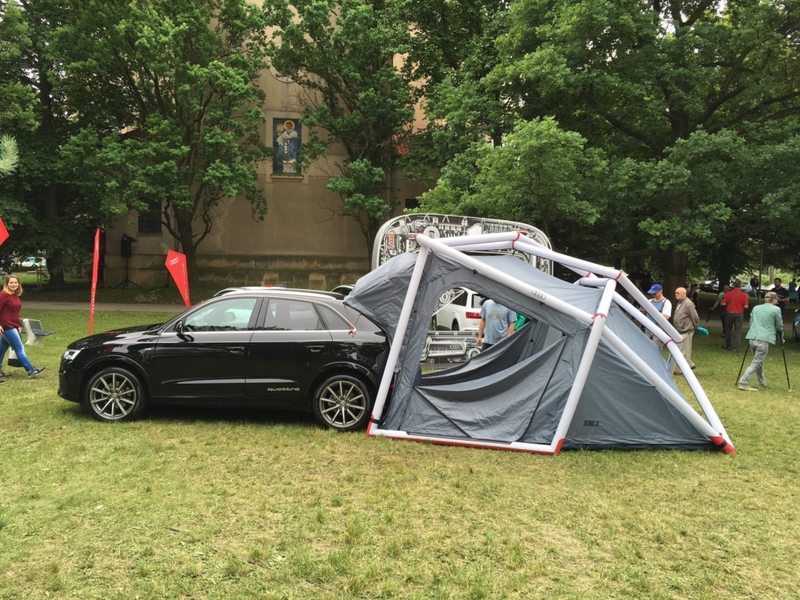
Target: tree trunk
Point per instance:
(54, 261)
(676, 263)
(185, 237)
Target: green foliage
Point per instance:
(452, 53)
(17, 98)
(693, 104)
(42, 208)
(179, 124)
(361, 189)
(9, 155)
(341, 52)
(539, 174)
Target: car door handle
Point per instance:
(236, 349)
(316, 348)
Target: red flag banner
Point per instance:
(3, 232)
(95, 264)
(176, 265)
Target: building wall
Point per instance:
(300, 243)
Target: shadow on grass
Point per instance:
(204, 414)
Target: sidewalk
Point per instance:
(27, 307)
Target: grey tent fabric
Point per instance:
(516, 392)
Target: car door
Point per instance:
(285, 353)
(204, 358)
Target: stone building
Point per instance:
(300, 243)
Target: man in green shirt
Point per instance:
(766, 327)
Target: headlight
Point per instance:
(70, 354)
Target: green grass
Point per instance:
(216, 504)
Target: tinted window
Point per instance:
(333, 320)
(227, 315)
(291, 315)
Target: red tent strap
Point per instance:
(352, 332)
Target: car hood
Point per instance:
(116, 335)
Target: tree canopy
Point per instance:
(691, 103)
(169, 97)
(341, 52)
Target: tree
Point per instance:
(167, 94)
(539, 174)
(39, 202)
(452, 51)
(9, 156)
(341, 53)
(673, 92)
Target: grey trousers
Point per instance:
(760, 350)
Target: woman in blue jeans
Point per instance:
(10, 326)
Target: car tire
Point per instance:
(114, 394)
(342, 402)
(454, 326)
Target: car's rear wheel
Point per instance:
(454, 326)
(115, 394)
(342, 402)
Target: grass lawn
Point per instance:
(214, 504)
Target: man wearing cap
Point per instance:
(766, 326)
(735, 303)
(662, 304)
(686, 321)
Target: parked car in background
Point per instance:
(344, 290)
(251, 347)
(459, 310)
(32, 262)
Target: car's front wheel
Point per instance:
(342, 402)
(114, 394)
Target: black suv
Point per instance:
(251, 347)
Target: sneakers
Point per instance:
(746, 388)
(34, 373)
(4, 374)
(2, 381)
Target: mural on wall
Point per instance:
(286, 136)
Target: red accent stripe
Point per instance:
(558, 446)
(722, 444)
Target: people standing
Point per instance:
(720, 297)
(10, 326)
(782, 292)
(694, 295)
(685, 321)
(766, 326)
(497, 322)
(662, 304)
(755, 286)
(735, 303)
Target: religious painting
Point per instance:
(286, 136)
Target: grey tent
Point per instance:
(580, 374)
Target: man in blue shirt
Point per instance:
(497, 322)
(766, 326)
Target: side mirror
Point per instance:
(179, 327)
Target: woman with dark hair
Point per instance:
(11, 326)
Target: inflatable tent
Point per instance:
(580, 374)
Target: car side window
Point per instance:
(291, 315)
(333, 319)
(232, 314)
(460, 298)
